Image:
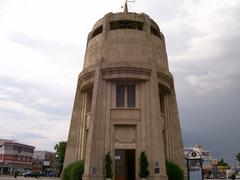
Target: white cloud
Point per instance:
(209, 83)
(42, 46)
(203, 43)
(23, 119)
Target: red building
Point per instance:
(15, 156)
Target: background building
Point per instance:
(205, 155)
(43, 161)
(15, 156)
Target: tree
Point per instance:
(143, 165)
(222, 163)
(238, 157)
(108, 165)
(60, 148)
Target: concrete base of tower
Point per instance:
(92, 177)
(158, 177)
(100, 177)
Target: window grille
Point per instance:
(120, 96)
(125, 96)
(131, 96)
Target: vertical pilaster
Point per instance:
(157, 149)
(178, 145)
(80, 127)
(83, 128)
(72, 144)
(107, 112)
(167, 130)
(142, 133)
(90, 164)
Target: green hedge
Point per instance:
(174, 172)
(74, 171)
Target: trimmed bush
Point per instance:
(143, 165)
(108, 165)
(174, 172)
(74, 171)
(66, 172)
(77, 170)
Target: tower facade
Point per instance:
(125, 101)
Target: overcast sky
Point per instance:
(42, 46)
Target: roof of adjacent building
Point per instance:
(13, 142)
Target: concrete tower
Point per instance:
(125, 101)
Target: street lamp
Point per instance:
(196, 156)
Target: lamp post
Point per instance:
(196, 156)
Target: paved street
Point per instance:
(23, 178)
(41, 178)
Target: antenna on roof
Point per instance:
(126, 5)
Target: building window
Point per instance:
(155, 31)
(89, 101)
(162, 103)
(125, 96)
(97, 31)
(157, 167)
(131, 96)
(120, 95)
(126, 24)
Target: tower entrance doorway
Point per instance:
(125, 164)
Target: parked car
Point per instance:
(43, 174)
(31, 174)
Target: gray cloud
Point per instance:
(40, 96)
(202, 38)
(41, 45)
(36, 112)
(204, 56)
(31, 135)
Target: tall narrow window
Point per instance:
(120, 95)
(131, 96)
(125, 96)
(89, 101)
(162, 106)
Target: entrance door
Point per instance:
(124, 164)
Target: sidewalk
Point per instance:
(5, 177)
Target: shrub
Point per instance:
(66, 172)
(74, 171)
(143, 165)
(174, 172)
(77, 170)
(108, 165)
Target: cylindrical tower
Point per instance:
(125, 101)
